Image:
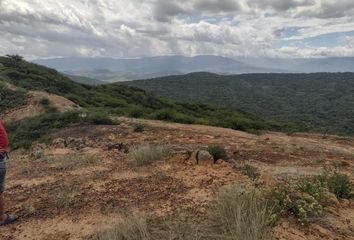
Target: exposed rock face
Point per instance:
(59, 142)
(118, 146)
(77, 143)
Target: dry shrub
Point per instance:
(132, 227)
(148, 153)
(242, 215)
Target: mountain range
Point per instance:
(115, 70)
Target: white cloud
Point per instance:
(120, 28)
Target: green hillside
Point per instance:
(319, 102)
(85, 80)
(123, 100)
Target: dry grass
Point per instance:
(241, 215)
(65, 198)
(149, 153)
(131, 227)
(70, 160)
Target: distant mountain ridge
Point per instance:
(116, 70)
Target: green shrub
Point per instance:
(289, 200)
(44, 102)
(218, 152)
(148, 153)
(334, 182)
(242, 215)
(99, 118)
(136, 112)
(340, 185)
(139, 128)
(315, 186)
(164, 114)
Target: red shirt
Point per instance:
(4, 141)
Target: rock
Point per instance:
(38, 151)
(204, 158)
(331, 199)
(69, 140)
(77, 143)
(118, 146)
(59, 142)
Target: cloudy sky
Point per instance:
(137, 28)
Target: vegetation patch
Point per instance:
(132, 227)
(251, 171)
(148, 153)
(10, 99)
(218, 152)
(26, 131)
(241, 214)
(306, 198)
(289, 200)
(139, 128)
(299, 101)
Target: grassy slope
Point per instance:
(123, 100)
(318, 102)
(85, 80)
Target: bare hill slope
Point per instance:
(86, 180)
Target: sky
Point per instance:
(142, 28)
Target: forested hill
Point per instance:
(113, 98)
(319, 102)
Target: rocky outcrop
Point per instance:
(201, 157)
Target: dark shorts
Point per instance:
(2, 172)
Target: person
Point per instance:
(4, 149)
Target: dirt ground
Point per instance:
(72, 190)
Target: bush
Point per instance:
(132, 227)
(164, 114)
(218, 152)
(242, 215)
(340, 185)
(334, 182)
(99, 118)
(289, 200)
(44, 102)
(148, 153)
(139, 128)
(315, 186)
